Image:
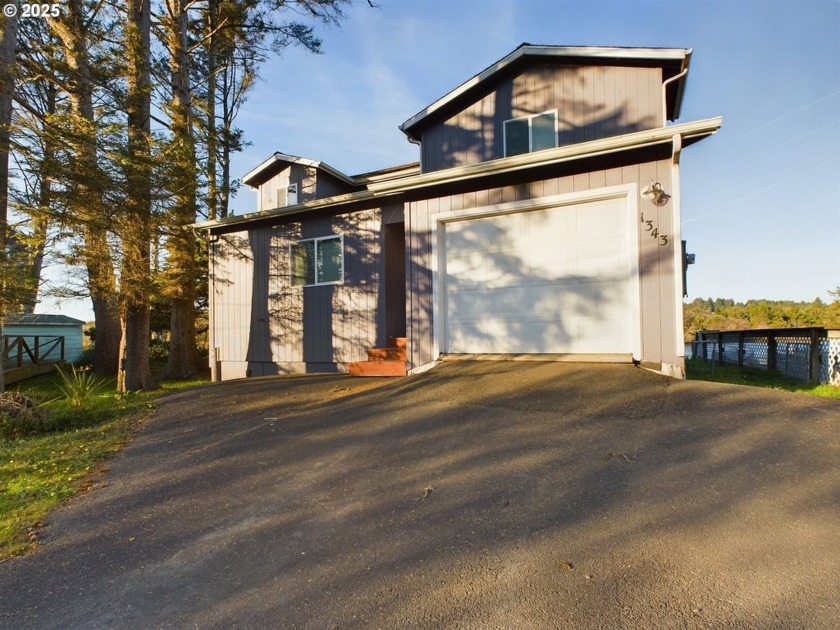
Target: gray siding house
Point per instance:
(542, 221)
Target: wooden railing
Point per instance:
(21, 351)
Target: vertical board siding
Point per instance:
(232, 275)
(592, 102)
(273, 192)
(270, 326)
(656, 281)
(649, 268)
(329, 186)
(312, 184)
(420, 302)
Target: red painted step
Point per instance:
(386, 354)
(378, 368)
(388, 361)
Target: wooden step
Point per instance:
(388, 361)
(377, 368)
(386, 354)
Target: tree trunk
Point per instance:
(134, 374)
(40, 226)
(135, 277)
(182, 272)
(106, 347)
(212, 184)
(224, 201)
(87, 200)
(8, 46)
(40, 220)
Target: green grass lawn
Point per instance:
(63, 454)
(698, 370)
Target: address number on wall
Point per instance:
(653, 231)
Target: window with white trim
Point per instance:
(317, 261)
(531, 133)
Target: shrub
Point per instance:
(20, 416)
(80, 386)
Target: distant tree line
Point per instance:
(727, 314)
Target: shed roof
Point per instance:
(42, 319)
(672, 60)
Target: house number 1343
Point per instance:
(653, 230)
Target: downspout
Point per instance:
(419, 144)
(664, 93)
(676, 244)
(212, 350)
(409, 293)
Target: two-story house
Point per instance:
(542, 221)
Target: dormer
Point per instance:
(287, 180)
(542, 97)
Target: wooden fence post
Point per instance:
(771, 351)
(741, 348)
(814, 357)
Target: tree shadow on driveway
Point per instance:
(487, 495)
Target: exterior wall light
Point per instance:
(656, 194)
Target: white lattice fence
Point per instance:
(830, 361)
(793, 352)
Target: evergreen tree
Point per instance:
(8, 46)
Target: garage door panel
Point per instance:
(547, 227)
(466, 271)
(489, 233)
(466, 306)
(505, 267)
(602, 258)
(510, 334)
(551, 262)
(548, 281)
(600, 220)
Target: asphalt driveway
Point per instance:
(479, 495)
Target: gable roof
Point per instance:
(275, 163)
(267, 169)
(672, 60)
(42, 319)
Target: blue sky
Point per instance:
(761, 199)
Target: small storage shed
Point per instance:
(44, 326)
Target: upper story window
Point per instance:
(531, 133)
(317, 261)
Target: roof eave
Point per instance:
(681, 85)
(594, 52)
(640, 139)
(252, 178)
(692, 131)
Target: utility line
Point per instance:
(720, 209)
(768, 150)
(743, 183)
(775, 120)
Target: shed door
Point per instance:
(556, 280)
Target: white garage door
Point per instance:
(558, 280)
